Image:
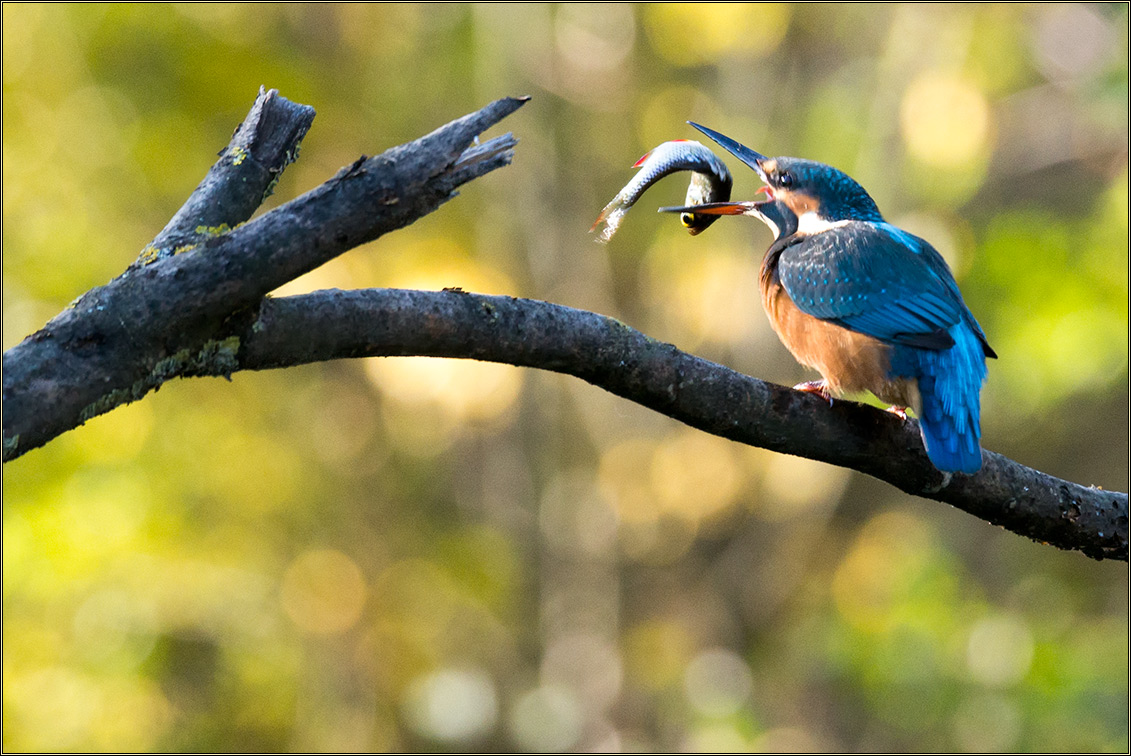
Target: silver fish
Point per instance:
(710, 182)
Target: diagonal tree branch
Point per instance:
(329, 325)
(195, 304)
(116, 342)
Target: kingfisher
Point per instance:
(870, 306)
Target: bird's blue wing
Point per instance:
(875, 279)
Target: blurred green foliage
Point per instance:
(420, 554)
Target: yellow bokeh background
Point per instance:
(414, 554)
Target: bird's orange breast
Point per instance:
(848, 361)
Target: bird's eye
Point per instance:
(785, 180)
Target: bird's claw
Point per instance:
(820, 388)
(900, 412)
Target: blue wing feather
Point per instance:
(877, 280)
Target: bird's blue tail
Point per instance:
(950, 384)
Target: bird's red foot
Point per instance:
(900, 412)
(820, 388)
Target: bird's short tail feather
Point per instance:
(950, 384)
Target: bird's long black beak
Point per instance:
(742, 152)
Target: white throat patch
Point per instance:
(810, 223)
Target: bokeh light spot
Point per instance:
(546, 719)
(793, 485)
(695, 475)
(716, 737)
(1000, 650)
(323, 592)
(717, 682)
(463, 389)
(690, 34)
(587, 664)
(704, 297)
(595, 36)
(452, 705)
(54, 700)
(113, 626)
(945, 120)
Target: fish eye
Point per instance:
(785, 180)
(687, 219)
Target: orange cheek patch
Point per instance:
(799, 202)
